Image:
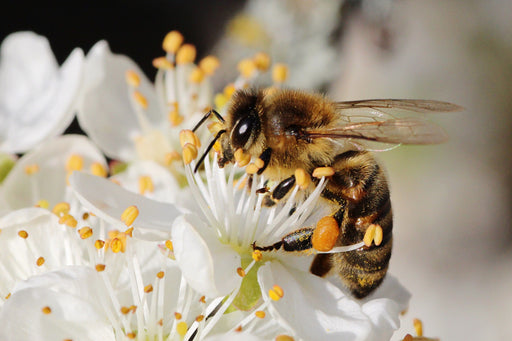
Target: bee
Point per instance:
(289, 129)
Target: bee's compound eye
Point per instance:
(245, 130)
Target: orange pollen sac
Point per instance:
(240, 272)
(408, 337)
(125, 310)
(85, 232)
(168, 244)
(186, 54)
(129, 215)
(23, 234)
(69, 220)
(202, 299)
(98, 170)
(117, 245)
(177, 316)
(40, 261)
(260, 314)
(160, 274)
(276, 293)
(75, 163)
(199, 318)
(283, 337)
(326, 234)
(100, 267)
(98, 244)
(46, 310)
(238, 329)
(172, 41)
(148, 288)
(257, 255)
(61, 208)
(131, 335)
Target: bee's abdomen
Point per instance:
(360, 190)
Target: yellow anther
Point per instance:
(117, 245)
(377, 239)
(259, 163)
(85, 216)
(408, 337)
(418, 326)
(98, 244)
(242, 158)
(168, 244)
(129, 215)
(186, 54)
(196, 75)
(133, 308)
(85, 232)
(257, 255)
(259, 314)
(189, 153)
(302, 178)
(40, 261)
(177, 316)
(132, 78)
(160, 274)
(276, 293)
(199, 318)
(202, 299)
(280, 73)
(146, 184)
(129, 232)
(131, 335)
(98, 170)
(283, 337)
(148, 288)
(31, 169)
(175, 118)
(182, 328)
(247, 68)
(75, 163)
(23, 234)
(162, 63)
(61, 209)
(214, 127)
(171, 157)
(369, 235)
(172, 41)
(209, 64)
(43, 203)
(161, 322)
(220, 100)
(68, 220)
(8, 296)
(188, 136)
(229, 90)
(251, 169)
(240, 272)
(323, 171)
(46, 310)
(140, 99)
(262, 61)
(238, 329)
(125, 310)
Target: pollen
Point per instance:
(23, 234)
(168, 244)
(182, 328)
(43, 203)
(160, 274)
(146, 184)
(100, 267)
(46, 310)
(131, 335)
(240, 272)
(148, 288)
(302, 178)
(196, 76)
(40, 261)
(257, 255)
(8, 296)
(175, 118)
(162, 63)
(125, 310)
(98, 170)
(199, 318)
(171, 157)
(418, 326)
(279, 73)
(251, 169)
(369, 235)
(132, 78)
(177, 316)
(276, 293)
(242, 158)
(31, 169)
(262, 61)
(229, 90)
(75, 163)
(140, 99)
(325, 234)
(283, 337)
(172, 41)
(129, 215)
(377, 239)
(259, 314)
(188, 136)
(68, 220)
(186, 54)
(202, 299)
(323, 171)
(189, 153)
(61, 209)
(209, 65)
(98, 244)
(247, 68)
(85, 232)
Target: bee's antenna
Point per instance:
(205, 117)
(207, 150)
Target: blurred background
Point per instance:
(452, 202)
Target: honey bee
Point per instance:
(288, 130)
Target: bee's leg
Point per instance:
(279, 191)
(298, 240)
(265, 158)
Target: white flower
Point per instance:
(37, 98)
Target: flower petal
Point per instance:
(108, 201)
(312, 308)
(209, 266)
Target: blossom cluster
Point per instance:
(142, 246)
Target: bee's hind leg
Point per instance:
(298, 240)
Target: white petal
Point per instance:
(108, 201)
(106, 113)
(77, 310)
(166, 188)
(49, 183)
(37, 99)
(234, 336)
(312, 308)
(209, 266)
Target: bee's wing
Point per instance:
(377, 120)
